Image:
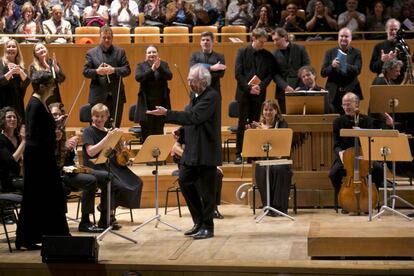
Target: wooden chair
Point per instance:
(200, 29)
(184, 38)
(121, 31)
(241, 32)
(87, 30)
(147, 30)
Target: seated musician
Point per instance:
(177, 151)
(307, 75)
(87, 182)
(351, 118)
(126, 187)
(12, 143)
(280, 175)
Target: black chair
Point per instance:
(136, 130)
(85, 113)
(292, 187)
(233, 113)
(174, 189)
(9, 204)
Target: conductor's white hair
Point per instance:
(201, 73)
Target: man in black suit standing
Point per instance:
(254, 71)
(342, 65)
(106, 65)
(289, 58)
(202, 153)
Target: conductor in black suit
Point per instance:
(106, 65)
(202, 153)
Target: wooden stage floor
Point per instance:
(240, 247)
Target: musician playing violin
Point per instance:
(126, 186)
(86, 182)
(351, 118)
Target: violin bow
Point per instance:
(182, 79)
(117, 102)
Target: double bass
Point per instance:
(353, 195)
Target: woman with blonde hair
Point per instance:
(43, 62)
(28, 24)
(13, 78)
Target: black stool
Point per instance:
(174, 189)
(292, 187)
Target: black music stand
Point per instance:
(156, 148)
(268, 143)
(388, 149)
(104, 157)
(392, 99)
(306, 102)
(369, 133)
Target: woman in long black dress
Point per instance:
(280, 175)
(126, 186)
(13, 78)
(153, 74)
(44, 205)
(12, 143)
(43, 62)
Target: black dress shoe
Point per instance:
(343, 211)
(89, 228)
(193, 230)
(114, 223)
(272, 214)
(204, 234)
(217, 215)
(33, 246)
(238, 160)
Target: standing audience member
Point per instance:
(42, 62)
(12, 143)
(254, 71)
(153, 75)
(106, 65)
(376, 20)
(28, 24)
(240, 12)
(44, 204)
(71, 13)
(388, 50)
(351, 18)
(321, 21)
(289, 58)
(202, 153)
(342, 65)
(126, 187)
(280, 176)
(56, 25)
(13, 78)
(124, 13)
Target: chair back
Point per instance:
(87, 30)
(300, 12)
(85, 113)
(147, 30)
(199, 29)
(239, 31)
(121, 31)
(234, 109)
(131, 113)
(184, 38)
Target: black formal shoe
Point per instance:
(343, 211)
(238, 160)
(204, 234)
(33, 246)
(114, 223)
(193, 230)
(89, 228)
(272, 214)
(217, 215)
(411, 215)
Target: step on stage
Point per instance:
(241, 246)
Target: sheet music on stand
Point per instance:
(306, 102)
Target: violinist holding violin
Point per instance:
(126, 186)
(351, 118)
(85, 180)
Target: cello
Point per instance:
(353, 195)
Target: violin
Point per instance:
(353, 195)
(123, 155)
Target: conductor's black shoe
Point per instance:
(238, 160)
(114, 223)
(411, 215)
(217, 215)
(193, 230)
(343, 211)
(89, 228)
(204, 234)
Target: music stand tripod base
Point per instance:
(158, 147)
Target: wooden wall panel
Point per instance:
(71, 58)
